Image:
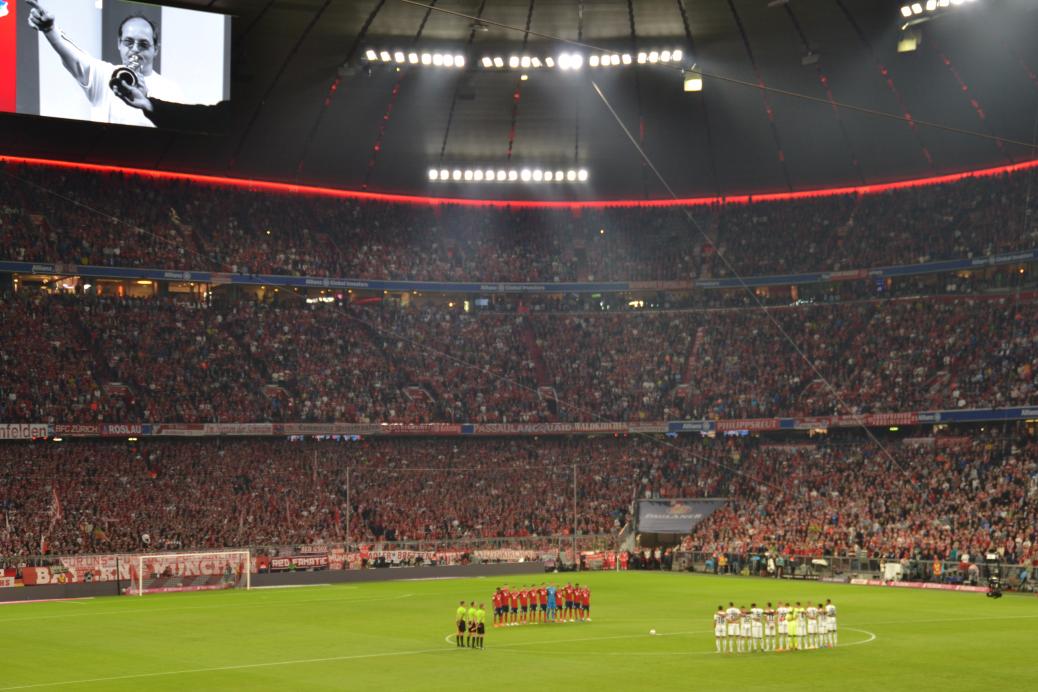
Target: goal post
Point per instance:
(206, 571)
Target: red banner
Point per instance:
(76, 429)
(920, 585)
(298, 562)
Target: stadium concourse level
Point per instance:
(90, 219)
(85, 359)
(837, 498)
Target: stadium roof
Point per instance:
(310, 108)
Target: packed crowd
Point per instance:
(901, 501)
(69, 359)
(51, 215)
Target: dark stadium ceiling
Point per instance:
(974, 70)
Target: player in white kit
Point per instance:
(769, 628)
(745, 630)
(756, 627)
(783, 626)
(801, 626)
(719, 628)
(732, 617)
(830, 612)
(811, 613)
(823, 627)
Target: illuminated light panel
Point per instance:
(499, 62)
(317, 191)
(412, 58)
(525, 175)
(371, 55)
(487, 62)
(426, 59)
(385, 56)
(398, 57)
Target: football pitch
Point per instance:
(399, 636)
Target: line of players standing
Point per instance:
(785, 628)
(532, 605)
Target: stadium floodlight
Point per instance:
(676, 55)
(524, 61)
(582, 175)
(437, 59)
(548, 176)
(564, 61)
(538, 175)
(576, 61)
(917, 8)
(559, 176)
(398, 56)
(593, 61)
(502, 176)
(906, 11)
(456, 174)
(385, 56)
(488, 62)
(412, 58)
(931, 5)
(444, 174)
(426, 59)
(654, 57)
(513, 61)
(549, 61)
(499, 62)
(693, 80)
(513, 175)
(448, 60)
(535, 61)
(642, 57)
(571, 175)
(665, 56)
(468, 174)
(944, 3)
(371, 55)
(434, 174)
(525, 175)
(614, 59)
(459, 60)
(477, 175)
(625, 58)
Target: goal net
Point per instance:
(170, 572)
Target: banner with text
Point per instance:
(674, 516)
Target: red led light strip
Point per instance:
(289, 188)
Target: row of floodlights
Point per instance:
(917, 8)
(564, 61)
(509, 175)
(399, 57)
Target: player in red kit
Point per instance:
(542, 599)
(524, 603)
(585, 604)
(513, 602)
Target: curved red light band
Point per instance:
(290, 188)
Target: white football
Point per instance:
(652, 631)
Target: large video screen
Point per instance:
(117, 62)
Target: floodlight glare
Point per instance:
(456, 175)
(625, 58)
(654, 57)
(467, 174)
(412, 58)
(931, 5)
(549, 61)
(487, 62)
(582, 174)
(536, 61)
(676, 55)
(385, 56)
(615, 59)
(444, 174)
(426, 59)
(665, 56)
(547, 176)
(371, 55)
(538, 175)
(437, 59)
(524, 61)
(434, 174)
(906, 11)
(564, 61)
(593, 61)
(513, 175)
(448, 60)
(693, 80)
(499, 62)
(477, 174)
(513, 61)
(642, 57)
(502, 176)
(576, 61)
(398, 56)
(918, 8)
(559, 176)
(571, 175)
(525, 175)
(489, 175)
(459, 61)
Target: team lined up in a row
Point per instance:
(532, 605)
(785, 628)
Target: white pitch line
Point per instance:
(214, 606)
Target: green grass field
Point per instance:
(396, 636)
